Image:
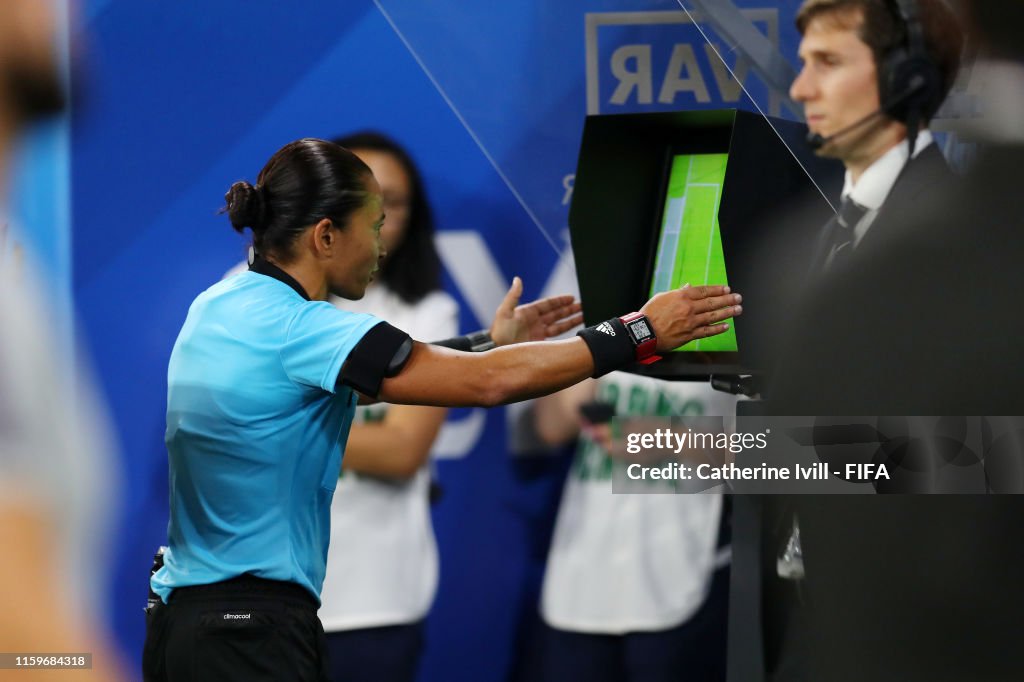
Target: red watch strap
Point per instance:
(645, 352)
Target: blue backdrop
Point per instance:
(181, 99)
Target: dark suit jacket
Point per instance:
(925, 320)
(924, 178)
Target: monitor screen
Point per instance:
(689, 248)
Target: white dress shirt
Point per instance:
(877, 181)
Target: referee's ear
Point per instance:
(324, 236)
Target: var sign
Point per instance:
(661, 61)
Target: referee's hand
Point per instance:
(682, 315)
(536, 321)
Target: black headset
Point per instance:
(910, 84)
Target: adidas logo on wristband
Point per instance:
(612, 350)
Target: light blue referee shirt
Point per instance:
(255, 430)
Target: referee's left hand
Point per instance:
(536, 321)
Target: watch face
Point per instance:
(639, 329)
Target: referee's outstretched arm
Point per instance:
(439, 376)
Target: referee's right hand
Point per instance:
(682, 315)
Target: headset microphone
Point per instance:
(816, 141)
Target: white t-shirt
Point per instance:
(632, 562)
(382, 566)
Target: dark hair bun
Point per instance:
(246, 206)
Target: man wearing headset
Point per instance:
(846, 582)
(874, 74)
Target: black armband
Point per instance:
(477, 342)
(381, 353)
(620, 341)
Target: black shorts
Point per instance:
(246, 629)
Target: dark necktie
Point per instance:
(850, 214)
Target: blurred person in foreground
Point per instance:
(54, 480)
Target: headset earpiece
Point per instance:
(909, 82)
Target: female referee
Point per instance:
(263, 382)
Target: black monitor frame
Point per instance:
(618, 202)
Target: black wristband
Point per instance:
(481, 341)
(455, 343)
(610, 345)
(470, 343)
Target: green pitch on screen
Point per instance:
(690, 244)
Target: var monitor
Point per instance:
(664, 200)
(689, 246)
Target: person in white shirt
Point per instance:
(383, 574)
(633, 590)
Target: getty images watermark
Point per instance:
(818, 455)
